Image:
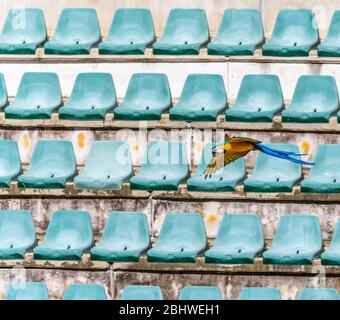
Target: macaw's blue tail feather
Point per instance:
(286, 155)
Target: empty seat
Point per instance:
(125, 237)
(77, 32)
(17, 234)
(142, 293)
(52, 164)
(203, 98)
(222, 180)
(295, 34)
(85, 292)
(240, 32)
(260, 294)
(259, 99)
(324, 176)
(131, 32)
(272, 174)
(185, 32)
(165, 166)
(315, 99)
(3, 92)
(332, 255)
(239, 240)
(10, 164)
(147, 97)
(68, 236)
(319, 294)
(24, 30)
(200, 293)
(93, 95)
(297, 241)
(39, 94)
(27, 291)
(108, 166)
(181, 239)
(331, 46)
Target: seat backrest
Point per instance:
(327, 160)
(336, 236)
(142, 293)
(10, 162)
(27, 291)
(85, 292)
(3, 92)
(260, 294)
(200, 293)
(334, 27)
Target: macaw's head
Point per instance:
(217, 149)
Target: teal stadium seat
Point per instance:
(17, 234)
(200, 293)
(260, 294)
(93, 96)
(314, 101)
(319, 294)
(23, 32)
(81, 291)
(142, 293)
(295, 34)
(147, 97)
(182, 239)
(273, 174)
(131, 32)
(125, 237)
(203, 98)
(3, 92)
(331, 46)
(332, 255)
(259, 99)
(108, 166)
(10, 164)
(186, 32)
(324, 176)
(298, 240)
(239, 240)
(240, 33)
(52, 164)
(68, 236)
(39, 94)
(225, 179)
(27, 291)
(77, 32)
(165, 166)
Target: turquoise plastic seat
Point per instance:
(147, 97)
(142, 293)
(272, 174)
(298, 240)
(203, 98)
(324, 176)
(260, 294)
(39, 94)
(315, 99)
(108, 166)
(77, 32)
(27, 291)
(240, 33)
(52, 164)
(93, 95)
(259, 99)
(165, 167)
(24, 30)
(125, 237)
(131, 32)
(331, 46)
(225, 179)
(332, 255)
(3, 92)
(295, 34)
(186, 32)
(68, 236)
(17, 234)
(10, 164)
(319, 294)
(182, 239)
(200, 293)
(85, 292)
(239, 240)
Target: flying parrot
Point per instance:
(237, 147)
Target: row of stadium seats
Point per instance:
(165, 167)
(182, 239)
(186, 31)
(39, 291)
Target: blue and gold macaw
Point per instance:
(237, 147)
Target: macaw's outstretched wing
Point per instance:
(242, 139)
